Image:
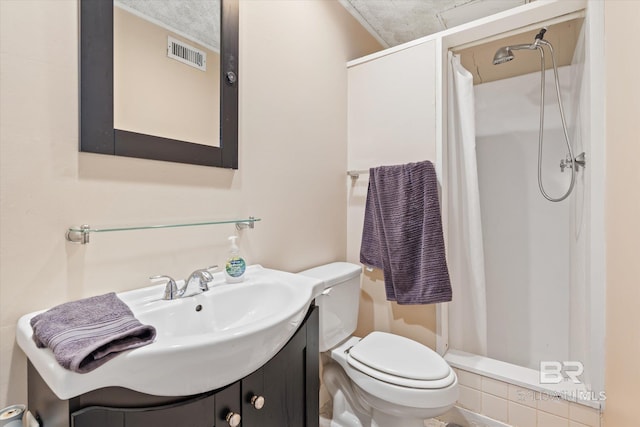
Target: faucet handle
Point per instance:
(170, 290)
(207, 273)
(203, 276)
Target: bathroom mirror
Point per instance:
(103, 130)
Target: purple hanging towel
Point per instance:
(402, 233)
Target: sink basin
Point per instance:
(203, 342)
(228, 311)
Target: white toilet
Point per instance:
(381, 380)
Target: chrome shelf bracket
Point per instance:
(79, 236)
(241, 225)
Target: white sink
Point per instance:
(203, 342)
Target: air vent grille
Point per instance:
(186, 54)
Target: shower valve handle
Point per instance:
(578, 162)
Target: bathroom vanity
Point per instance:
(236, 353)
(283, 392)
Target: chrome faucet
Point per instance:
(202, 276)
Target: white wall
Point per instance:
(392, 120)
(622, 213)
(293, 159)
(526, 237)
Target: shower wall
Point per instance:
(527, 245)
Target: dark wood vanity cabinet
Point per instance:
(194, 413)
(285, 390)
(289, 388)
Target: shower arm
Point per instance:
(525, 46)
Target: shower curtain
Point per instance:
(468, 310)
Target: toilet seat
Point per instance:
(400, 361)
(377, 391)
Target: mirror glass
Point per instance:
(166, 65)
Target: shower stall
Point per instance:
(526, 238)
(527, 273)
(523, 213)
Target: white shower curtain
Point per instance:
(468, 309)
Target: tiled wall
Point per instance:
(520, 407)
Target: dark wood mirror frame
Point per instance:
(97, 134)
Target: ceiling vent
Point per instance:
(186, 54)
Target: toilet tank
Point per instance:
(339, 302)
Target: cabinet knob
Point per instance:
(257, 402)
(233, 419)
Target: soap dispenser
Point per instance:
(235, 266)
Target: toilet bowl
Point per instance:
(382, 379)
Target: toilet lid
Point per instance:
(393, 358)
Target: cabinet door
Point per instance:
(97, 417)
(284, 385)
(253, 387)
(288, 383)
(312, 367)
(227, 403)
(198, 412)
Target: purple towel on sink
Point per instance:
(402, 233)
(85, 334)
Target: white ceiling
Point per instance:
(197, 20)
(392, 22)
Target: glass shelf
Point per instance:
(81, 234)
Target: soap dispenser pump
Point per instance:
(235, 266)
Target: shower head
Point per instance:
(504, 54)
